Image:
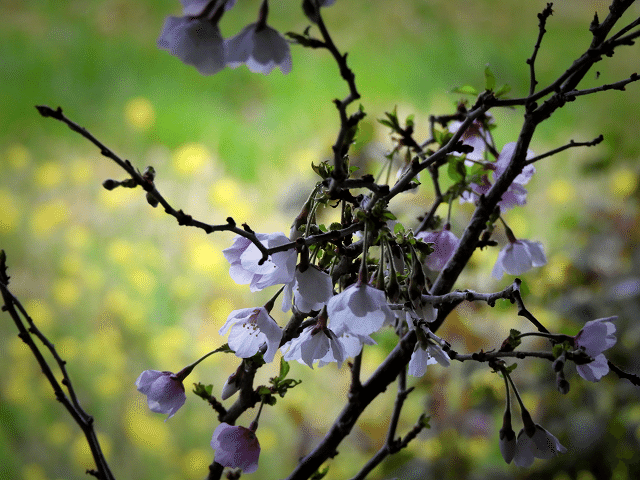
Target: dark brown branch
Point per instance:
(542, 17)
(84, 420)
(149, 186)
(571, 144)
(611, 86)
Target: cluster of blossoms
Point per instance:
(195, 38)
(340, 323)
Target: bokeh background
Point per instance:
(120, 288)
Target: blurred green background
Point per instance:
(120, 288)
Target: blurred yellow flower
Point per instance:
(190, 158)
(120, 251)
(9, 212)
(77, 236)
(18, 156)
(206, 256)
(139, 113)
(40, 312)
(33, 471)
(59, 434)
(197, 461)
(48, 175)
(623, 182)
(66, 292)
(142, 280)
(46, 217)
(561, 191)
(144, 428)
(81, 170)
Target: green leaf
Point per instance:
(503, 90)
(424, 421)
(284, 368)
(489, 79)
(398, 228)
(466, 90)
(319, 474)
(456, 169)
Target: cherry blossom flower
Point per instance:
(475, 136)
(164, 391)
(315, 343)
(195, 38)
(426, 352)
(236, 447)
(517, 257)
(259, 47)
(508, 444)
(595, 337)
(444, 244)
(250, 329)
(360, 310)
(310, 290)
(541, 445)
(244, 258)
(516, 194)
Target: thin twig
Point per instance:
(179, 215)
(542, 17)
(571, 144)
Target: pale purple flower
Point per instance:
(310, 290)
(164, 391)
(426, 352)
(244, 258)
(351, 345)
(360, 310)
(518, 257)
(541, 445)
(516, 193)
(195, 41)
(420, 359)
(236, 447)
(315, 343)
(250, 329)
(507, 443)
(444, 244)
(475, 136)
(595, 337)
(259, 47)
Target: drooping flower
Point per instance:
(444, 244)
(360, 310)
(260, 47)
(315, 343)
(244, 258)
(541, 445)
(310, 290)
(426, 351)
(517, 257)
(507, 441)
(195, 38)
(164, 391)
(250, 329)
(595, 337)
(236, 447)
